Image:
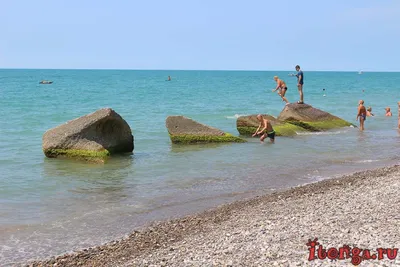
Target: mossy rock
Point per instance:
(310, 118)
(91, 137)
(88, 155)
(196, 139)
(318, 126)
(183, 130)
(247, 125)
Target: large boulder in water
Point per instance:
(247, 125)
(183, 130)
(310, 118)
(93, 137)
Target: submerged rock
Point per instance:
(247, 125)
(310, 118)
(93, 137)
(183, 130)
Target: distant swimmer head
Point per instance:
(276, 78)
(323, 89)
(369, 109)
(387, 109)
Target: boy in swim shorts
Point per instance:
(266, 131)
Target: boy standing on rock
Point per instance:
(266, 131)
(300, 82)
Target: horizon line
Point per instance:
(243, 70)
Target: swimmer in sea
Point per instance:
(169, 78)
(388, 112)
(369, 112)
(281, 85)
(266, 131)
(362, 114)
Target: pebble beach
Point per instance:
(359, 210)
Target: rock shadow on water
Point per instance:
(89, 178)
(182, 148)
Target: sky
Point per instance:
(340, 35)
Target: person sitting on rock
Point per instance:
(369, 112)
(266, 131)
(388, 112)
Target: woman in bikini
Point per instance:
(281, 85)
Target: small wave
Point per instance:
(235, 116)
(310, 177)
(321, 133)
(364, 161)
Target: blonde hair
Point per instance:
(276, 78)
(369, 108)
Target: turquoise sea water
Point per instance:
(52, 206)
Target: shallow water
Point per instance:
(52, 206)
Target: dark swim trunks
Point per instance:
(285, 88)
(364, 116)
(270, 134)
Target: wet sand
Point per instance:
(359, 210)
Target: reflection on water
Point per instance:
(180, 148)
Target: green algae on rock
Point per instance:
(183, 130)
(310, 118)
(247, 125)
(87, 155)
(92, 137)
(194, 139)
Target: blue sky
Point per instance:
(201, 34)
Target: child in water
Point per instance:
(369, 112)
(388, 112)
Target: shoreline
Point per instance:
(168, 243)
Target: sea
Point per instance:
(54, 206)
